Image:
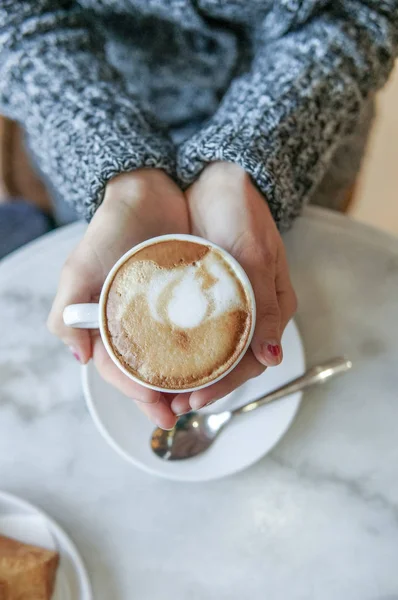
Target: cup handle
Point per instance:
(82, 316)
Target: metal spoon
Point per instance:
(195, 432)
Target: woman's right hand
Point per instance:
(137, 206)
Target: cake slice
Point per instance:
(26, 572)
(4, 591)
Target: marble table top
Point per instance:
(317, 519)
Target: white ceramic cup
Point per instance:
(92, 316)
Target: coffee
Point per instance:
(177, 314)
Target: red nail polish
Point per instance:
(75, 354)
(274, 349)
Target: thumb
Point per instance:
(266, 343)
(74, 288)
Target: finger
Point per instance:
(260, 266)
(248, 368)
(113, 375)
(180, 404)
(159, 413)
(73, 289)
(287, 298)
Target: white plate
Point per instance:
(243, 442)
(23, 521)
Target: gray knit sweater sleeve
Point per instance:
(83, 126)
(305, 91)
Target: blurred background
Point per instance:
(376, 196)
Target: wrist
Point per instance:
(224, 170)
(132, 187)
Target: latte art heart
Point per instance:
(177, 314)
(186, 304)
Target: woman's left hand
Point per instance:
(226, 208)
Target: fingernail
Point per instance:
(75, 353)
(199, 405)
(272, 353)
(274, 349)
(196, 405)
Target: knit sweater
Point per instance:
(107, 86)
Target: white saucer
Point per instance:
(23, 521)
(242, 443)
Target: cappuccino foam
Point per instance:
(177, 314)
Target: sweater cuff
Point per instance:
(223, 143)
(80, 148)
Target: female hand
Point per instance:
(136, 206)
(226, 208)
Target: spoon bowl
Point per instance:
(192, 435)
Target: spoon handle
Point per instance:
(318, 374)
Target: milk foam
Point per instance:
(225, 291)
(190, 303)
